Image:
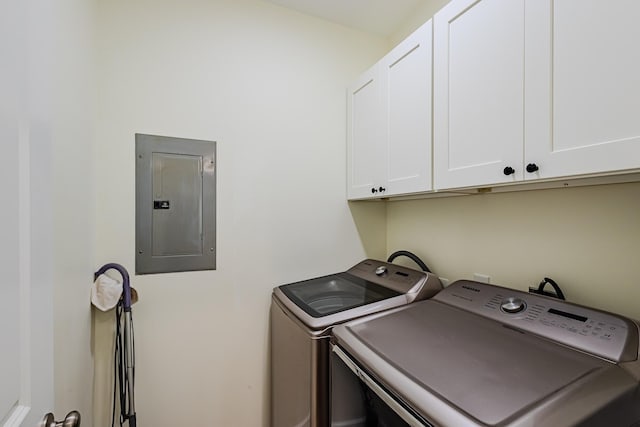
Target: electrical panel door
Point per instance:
(175, 204)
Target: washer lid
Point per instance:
(471, 364)
(331, 294)
(368, 287)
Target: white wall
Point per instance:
(585, 238)
(269, 85)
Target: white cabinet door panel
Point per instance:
(406, 87)
(478, 92)
(365, 135)
(583, 68)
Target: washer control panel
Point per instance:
(381, 270)
(387, 274)
(600, 333)
(414, 284)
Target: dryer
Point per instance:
(483, 355)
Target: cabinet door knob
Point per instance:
(374, 191)
(532, 167)
(509, 170)
(382, 189)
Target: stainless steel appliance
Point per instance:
(302, 316)
(482, 355)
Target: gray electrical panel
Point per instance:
(175, 204)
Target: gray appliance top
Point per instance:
(368, 287)
(593, 331)
(485, 355)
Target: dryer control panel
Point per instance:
(602, 334)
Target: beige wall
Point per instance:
(269, 85)
(425, 11)
(585, 238)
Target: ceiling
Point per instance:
(381, 17)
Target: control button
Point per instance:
(381, 271)
(512, 305)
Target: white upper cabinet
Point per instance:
(478, 92)
(406, 89)
(389, 115)
(582, 110)
(550, 90)
(365, 135)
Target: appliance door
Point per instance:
(367, 403)
(329, 300)
(456, 368)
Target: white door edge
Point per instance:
(24, 209)
(18, 414)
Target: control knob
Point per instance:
(512, 305)
(381, 271)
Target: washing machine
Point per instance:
(302, 317)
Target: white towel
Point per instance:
(106, 292)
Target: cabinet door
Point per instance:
(364, 136)
(478, 92)
(406, 99)
(583, 86)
